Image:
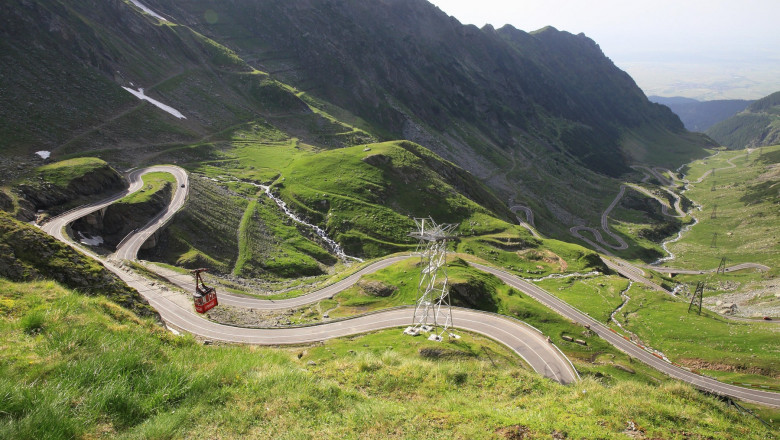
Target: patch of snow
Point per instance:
(44, 154)
(142, 7)
(140, 95)
(90, 240)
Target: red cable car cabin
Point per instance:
(205, 297)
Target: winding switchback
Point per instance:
(527, 342)
(177, 311)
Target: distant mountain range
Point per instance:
(543, 118)
(758, 125)
(533, 114)
(701, 115)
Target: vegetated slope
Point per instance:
(64, 64)
(29, 254)
(740, 205)
(82, 367)
(701, 115)
(527, 113)
(757, 126)
(364, 197)
(537, 117)
(367, 196)
(243, 233)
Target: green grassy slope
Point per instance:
(757, 126)
(29, 254)
(63, 173)
(204, 232)
(707, 342)
(271, 242)
(152, 184)
(363, 196)
(704, 342)
(74, 366)
(367, 196)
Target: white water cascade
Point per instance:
(335, 247)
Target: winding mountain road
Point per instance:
(528, 223)
(631, 349)
(527, 342)
(622, 245)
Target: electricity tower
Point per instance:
(722, 266)
(697, 297)
(433, 312)
(714, 214)
(714, 242)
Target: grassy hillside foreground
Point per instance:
(73, 366)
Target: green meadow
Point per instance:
(739, 207)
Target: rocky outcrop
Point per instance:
(47, 195)
(473, 293)
(376, 288)
(6, 202)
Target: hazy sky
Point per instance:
(735, 34)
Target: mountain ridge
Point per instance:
(492, 101)
(701, 115)
(464, 71)
(757, 126)
(495, 102)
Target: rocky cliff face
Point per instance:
(6, 202)
(45, 195)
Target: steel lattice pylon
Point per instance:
(432, 312)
